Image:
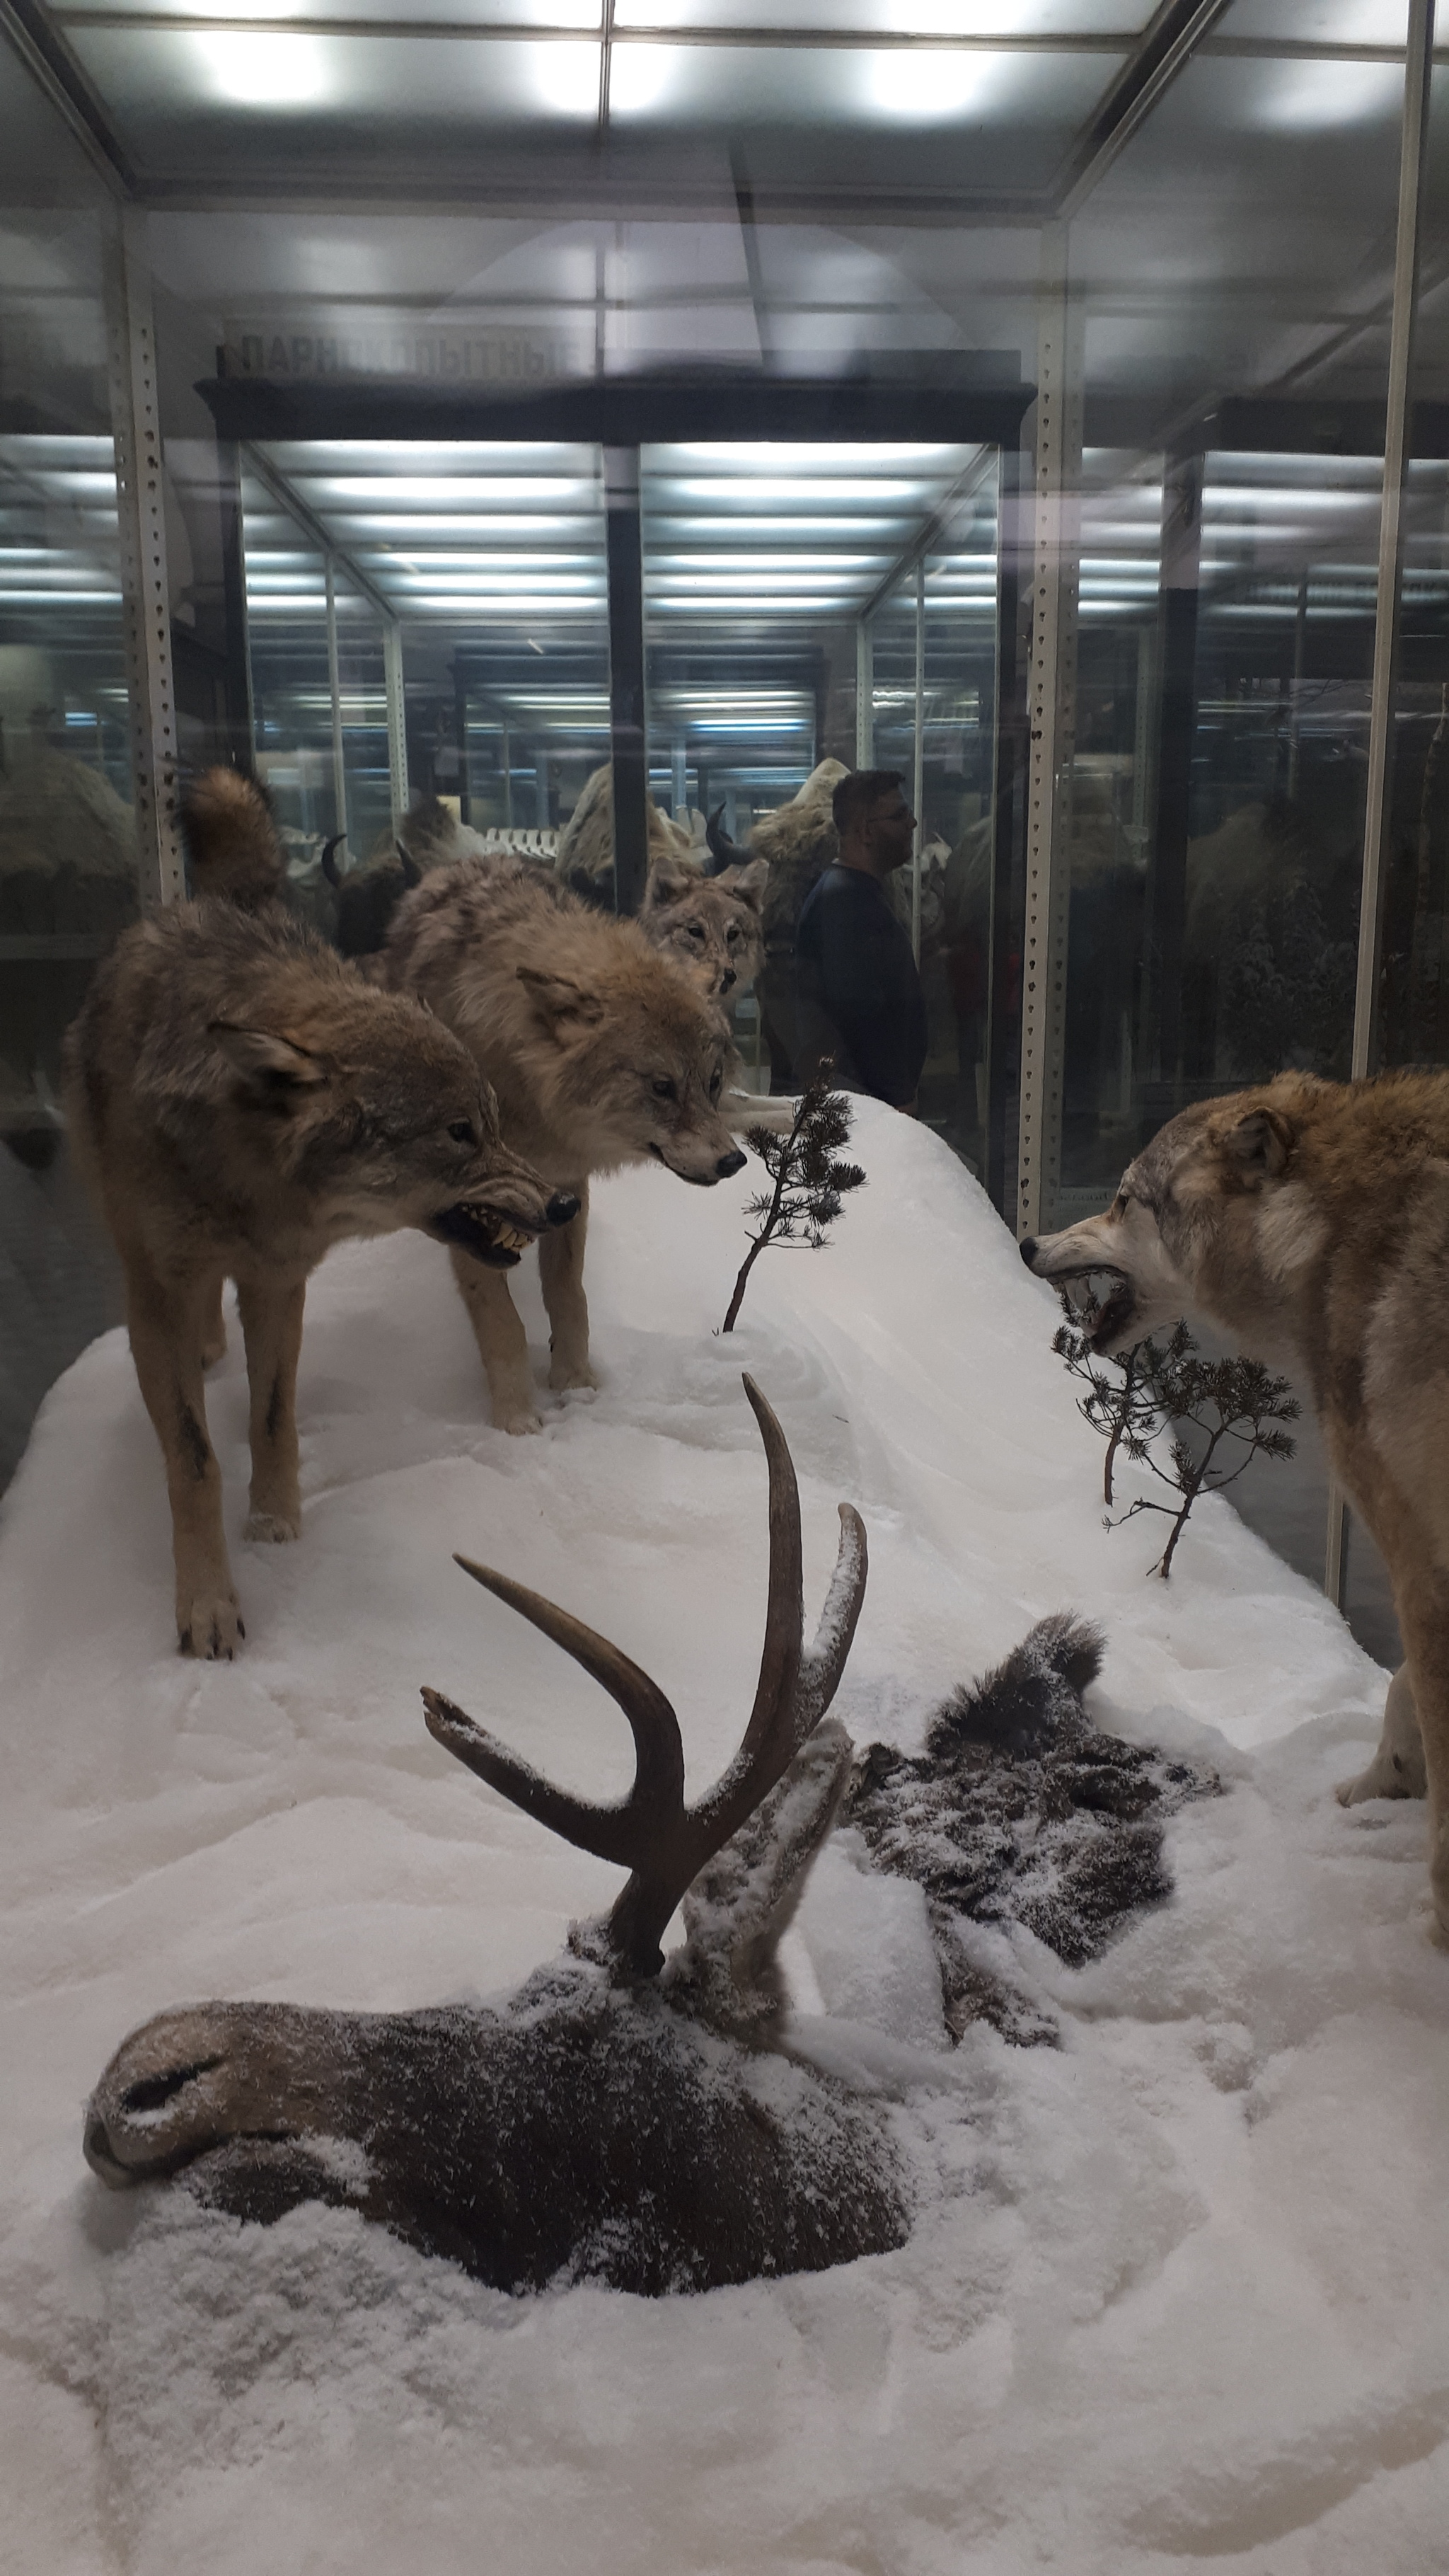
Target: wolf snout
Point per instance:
(730, 1163)
(562, 1208)
(1027, 1249)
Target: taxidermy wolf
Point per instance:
(609, 2121)
(709, 926)
(240, 1101)
(1311, 1221)
(600, 1053)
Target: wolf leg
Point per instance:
(561, 1269)
(167, 1319)
(1397, 1769)
(502, 1343)
(271, 1321)
(213, 1340)
(1423, 1607)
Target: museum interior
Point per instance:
(421, 411)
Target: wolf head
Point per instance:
(232, 841)
(708, 925)
(379, 1115)
(633, 1063)
(1212, 1217)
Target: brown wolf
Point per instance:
(708, 925)
(1311, 1220)
(241, 1101)
(601, 1054)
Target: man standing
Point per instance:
(858, 990)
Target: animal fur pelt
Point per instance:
(600, 1052)
(585, 853)
(1020, 1810)
(798, 840)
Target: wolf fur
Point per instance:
(710, 926)
(1310, 1220)
(240, 1101)
(235, 854)
(601, 1054)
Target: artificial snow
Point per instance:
(1176, 2290)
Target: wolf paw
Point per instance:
(211, 1627)
(1386, 1777)
(564, 1373)
(517, 1424)
(273, 1526)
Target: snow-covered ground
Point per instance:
(1177, 2291)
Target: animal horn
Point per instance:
(330, 868)
(411, 873)
(724, 852)
(663, 1843)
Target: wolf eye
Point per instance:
(663, 1088)
(463, 1132)
(695, 929)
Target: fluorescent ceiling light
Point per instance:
(921, 88)
(1317, 98)
(263, 70)
(567, 83)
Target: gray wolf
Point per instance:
(240, 1101)
(710, 926)
(600, 1053)
(1311, 1220)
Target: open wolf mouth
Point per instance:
(498, 1241)
(1101, 1302)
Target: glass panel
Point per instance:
(291, 690)
(68, 858)
(759, 561)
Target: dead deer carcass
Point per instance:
(608, 2121)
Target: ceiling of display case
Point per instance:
(954, 101)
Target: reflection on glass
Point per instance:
(68, 865)
(1214, 818)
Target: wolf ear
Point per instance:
(267, 1062)
(747, 883)
(668, 878)
(558, 999)
(1261, 1142)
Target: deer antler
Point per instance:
(663, 1843)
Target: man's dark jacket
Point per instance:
(858, 989)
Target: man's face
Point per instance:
(890, 831)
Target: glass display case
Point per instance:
(998, 398)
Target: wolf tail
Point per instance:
(235, 854)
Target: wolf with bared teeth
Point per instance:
(241, 1100)
(1310, 1220)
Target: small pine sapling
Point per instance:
(1121, 1412)
(1235, 1406)
(809, 1183)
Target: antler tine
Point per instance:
(625, 1833)
(821, 1669)
(785, 1604)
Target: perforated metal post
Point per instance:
(146, 600)
(918, 764)
(864, 694)
(334, 688)
(397, 717)
(1056, 552)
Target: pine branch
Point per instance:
(810, 1182)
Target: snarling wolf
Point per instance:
(240, 1101)
(600, 1053)
(708, 925)
(1311, 1221)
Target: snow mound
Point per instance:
(1176, 2289)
